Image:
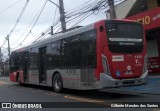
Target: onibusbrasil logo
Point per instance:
(19, 105)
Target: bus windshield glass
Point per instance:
(124, 37)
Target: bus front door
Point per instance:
(42, 65)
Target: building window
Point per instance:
(152, 46)
(158, 2)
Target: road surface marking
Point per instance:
(87, 100)
(53, 94)
(83, 99)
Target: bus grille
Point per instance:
(87, 75)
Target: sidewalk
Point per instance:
(152, 87)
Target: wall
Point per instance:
(123, 8)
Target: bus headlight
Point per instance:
(145, 64)
(105, 65)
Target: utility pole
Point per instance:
(9, 53)
(112, 9)
(62, 15)
(1, 65)
(0, 56)
(7, 38)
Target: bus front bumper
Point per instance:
(107, 81)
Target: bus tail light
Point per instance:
(145, 64)
(105, 65)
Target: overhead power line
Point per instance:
(80, 13)
(26, 28)
(84, 12)
(81, 10)
(54, 19)
(70, 19)
(10, 6)
(32, 26)
(19, 17)
(42, 35)
(34, 22)
(78, 7)
(3, 43)
(8, 36)
(16, 22)
(86, 3)
(96, 6)
(82, 18)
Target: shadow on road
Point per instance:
(94, 94)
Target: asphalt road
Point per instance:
(11, 92)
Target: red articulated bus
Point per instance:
(107, 53)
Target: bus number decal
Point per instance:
(118, 58)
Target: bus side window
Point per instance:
(12, 62)
(76, 50)
(54, 54)
(33, 58)
(71, 51)
(89, 49)
(67, 52)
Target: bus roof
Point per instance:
(56, 37)
(64, 35)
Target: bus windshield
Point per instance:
(124, 37)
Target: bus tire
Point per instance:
(57, 83)
(19, 80)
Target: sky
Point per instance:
(8, 18)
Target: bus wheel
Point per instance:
(57, 83)
(19, 80)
